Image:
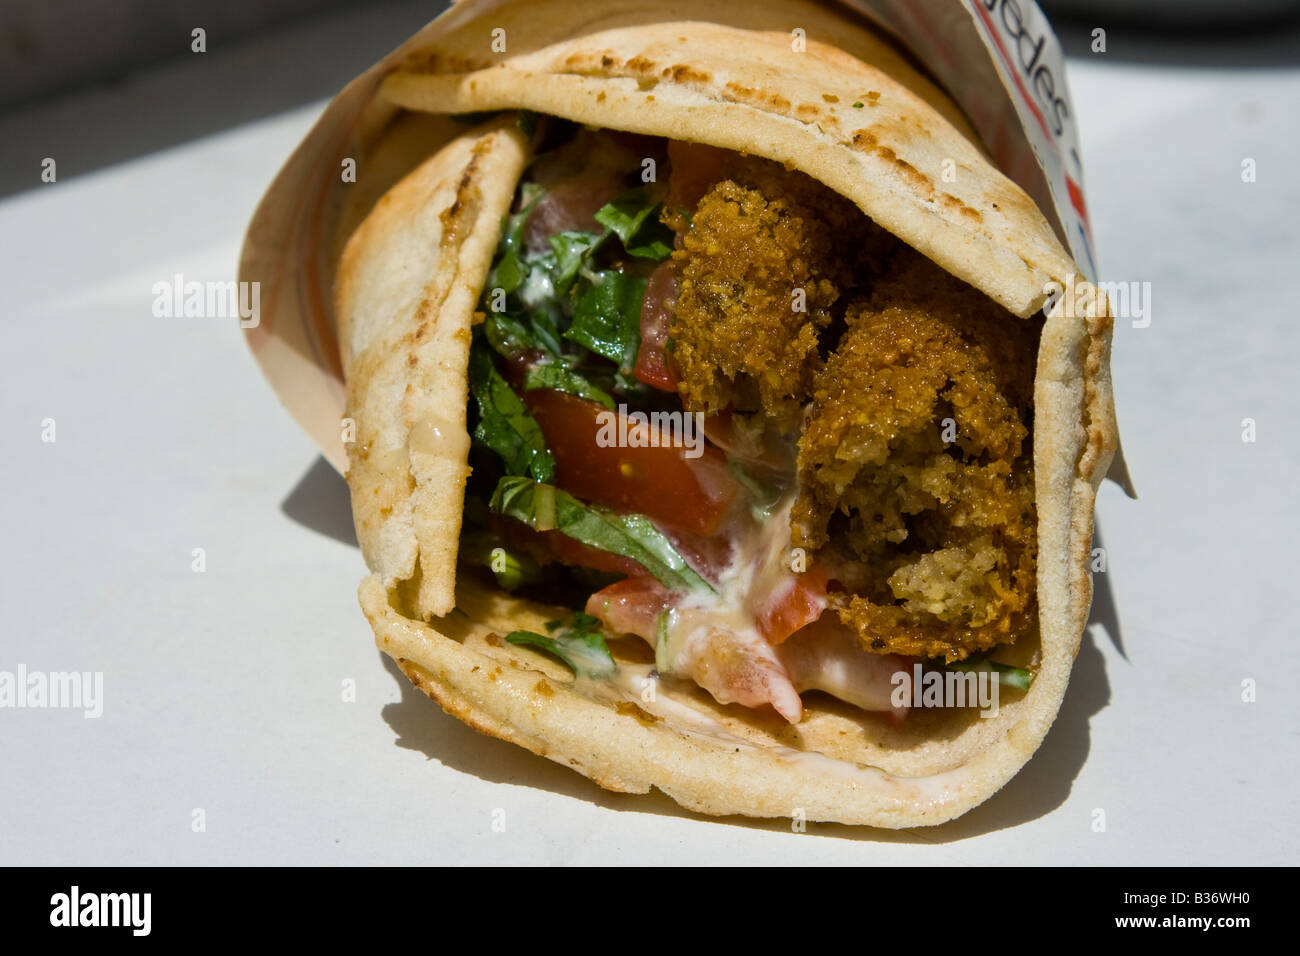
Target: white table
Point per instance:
(223, 689)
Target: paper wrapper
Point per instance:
(998, 60)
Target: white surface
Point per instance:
(223, 689)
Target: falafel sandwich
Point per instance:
(706, 402)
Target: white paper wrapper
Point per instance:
(998, 59)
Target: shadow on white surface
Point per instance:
(1104, 614)
(321, 501)
(190, 95)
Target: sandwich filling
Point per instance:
(721, 410)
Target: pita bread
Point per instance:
(407, 285)
(408, 282)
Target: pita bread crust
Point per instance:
(407, 285)
(750, 91)
(935, 766)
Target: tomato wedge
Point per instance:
(787, 609)
(653, 366)
(630, 606)
(693, 169)
(569, 206)
(657, 480)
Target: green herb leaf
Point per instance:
(657, 247)
(632, 536)
(607, 318)
(529, 195)
(581, 647)
(505, 424)
(508, 270)
(1008, 676)
(634, 221)
(507, 335)
(508, 273)
(564, 379)
(546, 331)
(512, 569)
(510, 337)
(571, 250)
(664, 622)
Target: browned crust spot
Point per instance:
(1094, 358)
(630, 708)
(685, 74)
(755, 97)
(865, 140)
(466, 191)
(955, 205)
(435, 61)
(917, 178)
(453, 219)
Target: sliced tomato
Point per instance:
(653, 366)
(640, 144)
(578, 178)
(568, 207)
(796, 604)
(657, 480)
(631, 606)
(694, 167)
(514, 368)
